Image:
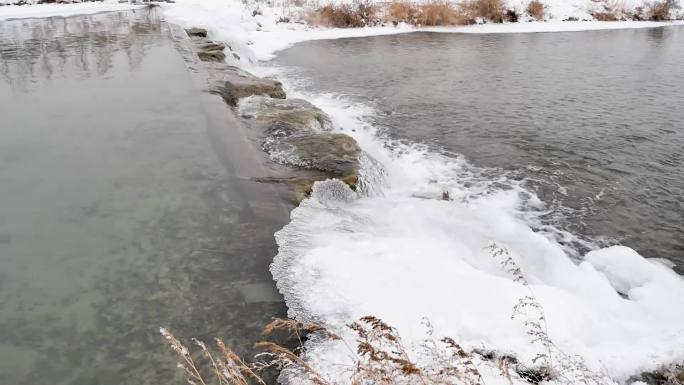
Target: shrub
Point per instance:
(605, 16)
(403, 12)
(357, 14)
(440, 13)
(431, 13)
(661, 10)
(536, 9)
(491, 10)
(511, 16)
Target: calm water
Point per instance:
(120, 206)
(592, 121)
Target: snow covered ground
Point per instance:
(60, 10)
(239, 25)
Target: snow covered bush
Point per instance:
(536, 10)
(662, 10)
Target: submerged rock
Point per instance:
(298, 133)
(211, 46)
(335, 154)
(196, 32)
(666, 375)
(234, 84)
(217, 56)
(285, 117)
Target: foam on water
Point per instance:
(402, 253)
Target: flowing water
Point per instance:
(120, 207)
(591, 121)
(563, 148)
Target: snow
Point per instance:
(61, 10)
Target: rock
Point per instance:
(211, 46)
(233, 85)
(285, 117)
(217, 56)
(335, 154)
(196, 32)
(667, 375)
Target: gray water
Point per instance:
(593, 122)
(123, 206)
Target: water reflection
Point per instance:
(84, 45)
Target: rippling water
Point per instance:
(591, 121)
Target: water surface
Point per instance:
(120, 211)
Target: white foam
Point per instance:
(405, 254)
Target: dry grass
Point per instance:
(403, 12)
(489, 10)
(609, 10)
(431, 13)
(435, 13)
(380, 358)
(354, 15)
(536, 9)
(661, 10)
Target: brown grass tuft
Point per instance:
(490, 10)
(536, 9)
(661, 10)
(438, 12)
(355, 15)
(403, 12)
(431, 13)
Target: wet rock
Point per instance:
(211, 46)
(196, 32)
(233, 84)
(667, 375)
(216, 56)
(335, 154)
(285, 117)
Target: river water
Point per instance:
(591, 121)
(121, 208)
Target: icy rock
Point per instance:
(337, 155)
(285, 117)
(196, 32)
(234, 84)
(217, 56)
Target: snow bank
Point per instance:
(256, 33)
(61, 10)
